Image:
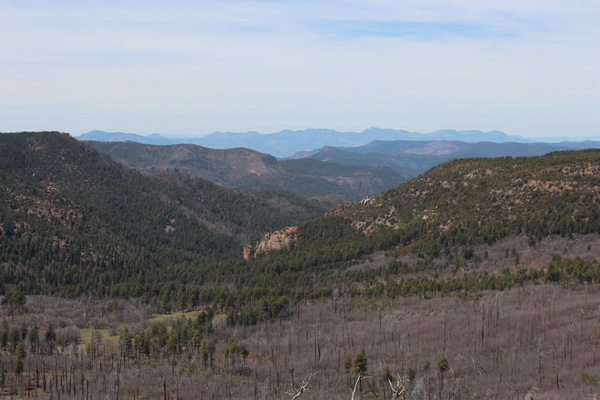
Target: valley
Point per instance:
(476, 279)
(292, 200)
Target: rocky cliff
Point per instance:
(273, 241)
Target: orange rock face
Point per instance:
(248, 251)
(276, 240)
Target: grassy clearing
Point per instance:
(86, 336)
(103, 334)
(162, 317)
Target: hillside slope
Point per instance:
(453, 228)
(415, 157)
(70, 214)
(248, 169)
(474, 201)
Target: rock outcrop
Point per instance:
(248, 251)
(273, 241)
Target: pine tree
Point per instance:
(442, 367)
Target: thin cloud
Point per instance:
(195, 67)
(414, 30)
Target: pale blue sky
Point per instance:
(194, 67)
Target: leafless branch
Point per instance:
(397, 390)
(359, 378)
(303, 388)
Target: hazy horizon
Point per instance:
(193, 68)
(171, 135)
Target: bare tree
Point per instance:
(397, 390)
(359, 379)
(303, 387)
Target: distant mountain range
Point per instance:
(243, 168)
(285, 143)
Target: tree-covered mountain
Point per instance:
(460, 149)
(248, 169)
(475, 201)
(70, 214)
(408, 164)
(433, 233)
(415, 157)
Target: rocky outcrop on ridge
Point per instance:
(277, 240)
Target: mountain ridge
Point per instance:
(449, 217)
(287, 142)
(415, 157)
(553, 194)
(247, 169)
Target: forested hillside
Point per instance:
(446, 212)
(475, 201)
(66, 204)
(412, 158)
(71, 217)
(247, 169)
(462, 227)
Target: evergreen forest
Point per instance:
(111, 276)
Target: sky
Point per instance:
(191, 68)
